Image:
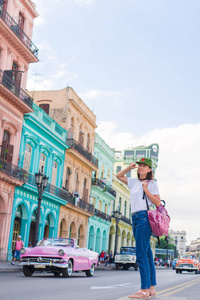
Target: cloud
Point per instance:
(178, 168)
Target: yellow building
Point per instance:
(121, 203)
(69, 111)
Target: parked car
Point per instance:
(126, 258)
(58, 256)
(187, 264)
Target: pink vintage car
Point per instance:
(58, 255)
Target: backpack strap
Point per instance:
(145, 197)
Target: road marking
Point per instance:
(110, 286)
(175, 289)
(181, 288)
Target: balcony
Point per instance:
(76, 146)
(63, 194)
(102, 215)
(12, 93)
(17, 37)
(12, 171)
(105, 187)
(126, 220)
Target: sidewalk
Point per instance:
(5, 266)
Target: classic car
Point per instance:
(187, 264)
(58, 256)
(126, 258)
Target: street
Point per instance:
(105, 285)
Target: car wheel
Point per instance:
(56, 273)
(28, 271)
(196, 272)
(117, 266)
(90, 273)
(67, 272)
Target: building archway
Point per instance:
(72, 231)
(80, 239)
(20, 221)
(104, 241)
(111, 238)
(128, 239)
(91, 238)
(124, 242)
(98, 241)
(63, 228)
(32, 227)
(2, 222)
(49, 226)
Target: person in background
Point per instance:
(144, 186)
(19, 244)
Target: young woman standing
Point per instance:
(141, 187)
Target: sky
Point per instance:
(136, 64)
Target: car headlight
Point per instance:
(23, 251)
(116, 257)
(61, 252)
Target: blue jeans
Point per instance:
(144, 256)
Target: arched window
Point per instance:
(102, 172)
(54, 173)
(106, 208)
(108, 176)
(88, 142)
(100, 205)
(85, 190)
(76, 183)
(120, 203)
(27, 157)
(42, 162)
(81, 136)
(125, 208)
(21, 21)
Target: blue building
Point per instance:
(102, 197)
(43, 145)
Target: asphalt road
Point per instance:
(105, 285)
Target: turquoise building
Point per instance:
(43, 145)
(102, 197)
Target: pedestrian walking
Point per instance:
(19, 244)
(111, 257)
(140, 188)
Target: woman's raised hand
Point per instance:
(132, 166)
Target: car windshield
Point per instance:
(124, 250)
(64, 242)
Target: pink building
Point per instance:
(16, 52)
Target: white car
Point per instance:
(126, 258)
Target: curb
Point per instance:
(9, 270)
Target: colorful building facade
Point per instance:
(122, 204)
(102, 197)
(43, 146)
(68, 110)
(16, 52)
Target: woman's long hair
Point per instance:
(149, 175)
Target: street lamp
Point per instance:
(41, 180)
(176, 241)
(117, 216)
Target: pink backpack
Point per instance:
(159, 220)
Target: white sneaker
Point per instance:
(12, 263)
